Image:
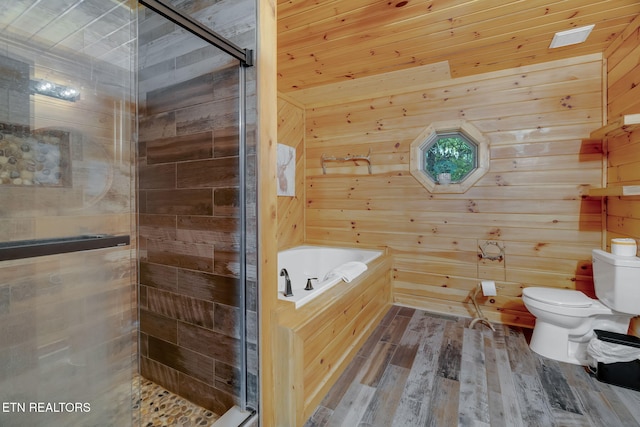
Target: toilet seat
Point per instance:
(559, 297)
(564, 302)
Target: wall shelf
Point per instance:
(624, 124)
(620, 190)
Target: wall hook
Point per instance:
(366, 158)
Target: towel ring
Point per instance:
(491, 257)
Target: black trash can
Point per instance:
(623, 374)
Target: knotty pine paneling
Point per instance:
(532, 201)
(623, 150)
(267, 209)
(291, 209)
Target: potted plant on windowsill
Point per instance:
(443, 170)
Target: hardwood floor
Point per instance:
(423, 369)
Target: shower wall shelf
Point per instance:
(356, 157)
(41, 247)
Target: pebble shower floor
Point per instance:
(158, 407)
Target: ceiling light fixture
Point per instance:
(572, 36)
(47, 88)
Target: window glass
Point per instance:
(449, 157)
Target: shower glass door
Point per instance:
(67, 261)
(198, 293)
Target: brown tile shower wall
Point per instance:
(189, 232)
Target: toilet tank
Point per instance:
(617, 281)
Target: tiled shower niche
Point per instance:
(40, 158)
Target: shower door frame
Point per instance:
(245, 56)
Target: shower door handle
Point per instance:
(41, 247)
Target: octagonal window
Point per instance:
(449, 157)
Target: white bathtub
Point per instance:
(304, 262)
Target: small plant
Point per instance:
(444, 166)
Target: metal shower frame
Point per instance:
(245, 56)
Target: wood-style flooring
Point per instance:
(423, 369)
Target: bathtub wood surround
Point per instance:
(622, 213)
(532, 202)
(318, 340)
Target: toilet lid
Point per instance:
(561, 297)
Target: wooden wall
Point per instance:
(291, 209)
(623, 150)
(623, 157)
(267, 208)
(531, 202)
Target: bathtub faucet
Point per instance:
(287, 283)
(309, 286)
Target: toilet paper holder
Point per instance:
(480, 316)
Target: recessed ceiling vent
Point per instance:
(572, 36)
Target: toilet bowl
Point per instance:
(565, 320)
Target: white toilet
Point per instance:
(565, 319)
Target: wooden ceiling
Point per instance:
(334, 41)
(324, 42)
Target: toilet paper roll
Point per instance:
(489, 288)
(624, 247)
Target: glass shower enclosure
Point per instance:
(197, 201)
(68, 335)
(127, 208)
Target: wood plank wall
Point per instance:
(291, 209)
(623, 150)
(267, 208)
(531, 202)
(623, 97)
